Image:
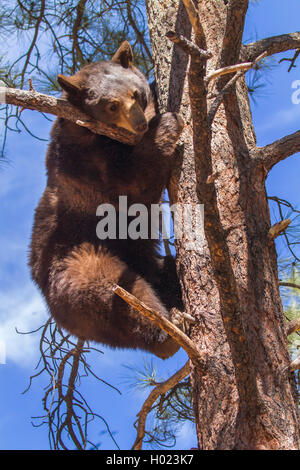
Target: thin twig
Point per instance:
(159, 390)
(140, 36)
(35, 36)
(285, 203)
(68, 414)
(76, 26)
(292, 60)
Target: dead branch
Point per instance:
(162, 322)
(63, 109)
(67, 412)
(282, 202)
(289, 284)
(76, 27)
(71, 416)
(278, 150)
(244, 67)
(276, 229)
(219, 98)
(293, 326)
(188, 46)
(140, 35)
(240, 72)
(271, 45)
(159, 390)
(34, 40)
(226, 70)
(211, 178)
(193, 17)
(31, 87)
(292, 60)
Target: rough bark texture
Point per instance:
(244, 398)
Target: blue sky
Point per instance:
(22, 183)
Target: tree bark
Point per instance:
(244, 396)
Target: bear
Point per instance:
(75, 269)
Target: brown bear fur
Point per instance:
(74, 269)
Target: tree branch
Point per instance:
(289, 284)
(219, 98)
(282, 202)
(140, 36)
(194, 18)
(279, 150)
(293, 326)
(232, 41)
(244, 67)
(62, 108)
(271, 45)
(66, 410)
(241, 69)
(76, 27)
(34, 40)
(188, 46)
(295, 365)
(160, 389)
(162, 322)
(276, 229)
(292, 60)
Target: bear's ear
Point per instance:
(124, 55)
(70, 84)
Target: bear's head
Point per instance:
(114, 92)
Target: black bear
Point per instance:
(76, 270)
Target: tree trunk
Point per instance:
(243, 396)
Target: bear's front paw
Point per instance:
(181, 319)
(166, 129)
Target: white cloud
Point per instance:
(186, 436)
(22, 309)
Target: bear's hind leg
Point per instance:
(81, 299)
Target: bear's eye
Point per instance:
(135, 95)
(113, 107)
